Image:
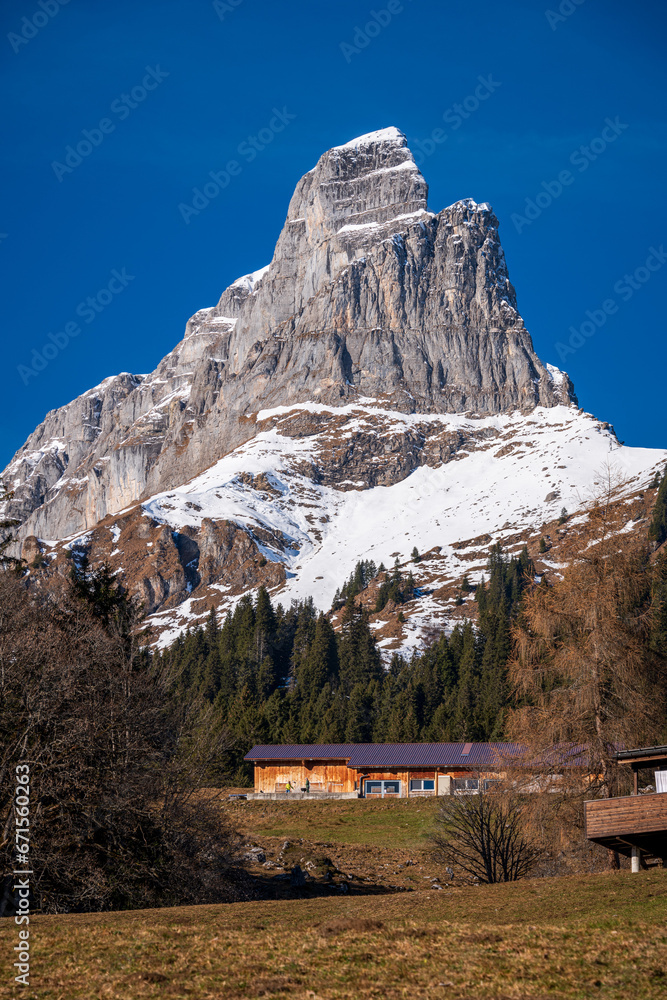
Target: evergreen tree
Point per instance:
(212, 630)
(291, 731)
(359, 727)
(658, 529)
(266, 677)
(332, 727)
(410, 727)
(101, 591)
(265, 624)
(246, 721)
(209, 682)
(394, 588)
(228, 662)
(363, 573)
(245, 652)
(359, 659)
(321, 663)
(467, 696)
(275, 716)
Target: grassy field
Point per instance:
(578, 937)
(575, 937)
(403, 823)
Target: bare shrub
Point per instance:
(113, 763)
(483, 836)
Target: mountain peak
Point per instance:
(368, 297)
(383, 135)
(370, 179)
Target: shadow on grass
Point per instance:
(279, 887)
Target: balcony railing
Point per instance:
(629, 821)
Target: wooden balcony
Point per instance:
(638, 821)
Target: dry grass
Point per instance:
(577, 937)
(400, 823)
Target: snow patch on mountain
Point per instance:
(494, 489)
(248, 281)
(391, 134)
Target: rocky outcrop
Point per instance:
(370, 298)
(162, 567)
(376, 450)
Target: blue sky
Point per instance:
(202, 78)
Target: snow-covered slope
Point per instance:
(518, 473)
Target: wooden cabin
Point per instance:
(634, 825)
(378, 770)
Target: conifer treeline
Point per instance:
(284, 676)
(392, 588)
(658, 527)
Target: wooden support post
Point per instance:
(634, 859)
(635, 778)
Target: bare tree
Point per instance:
(483, 836)
(585, 675)
(114, 765)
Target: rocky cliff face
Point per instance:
(368, 295)
(345, 365)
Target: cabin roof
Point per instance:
(379, 755)
(301, 751)
(431, 754)
(646, 756)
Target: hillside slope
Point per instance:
(569, 938)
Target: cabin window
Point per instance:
(382, 788)
(466, 784)
(490, 783)
(422, 785)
